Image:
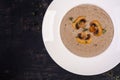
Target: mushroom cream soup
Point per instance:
(86, 30)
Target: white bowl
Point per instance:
(62, 56)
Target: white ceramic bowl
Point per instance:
(62, 56)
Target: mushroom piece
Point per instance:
(84, 38)
(79, 22)
(95, 28)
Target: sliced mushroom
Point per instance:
(79, 22)
(84, 38)
(95, 28)
(88, 37)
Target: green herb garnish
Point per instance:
(85, 29)
(104, 31)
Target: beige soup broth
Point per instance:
(86, 30)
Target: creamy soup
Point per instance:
(86, 30)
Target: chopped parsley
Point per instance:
(104, 31)
(85, 29)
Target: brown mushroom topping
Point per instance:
(88, 37)
(80, 36)
(95, 28)
(80, 24)
(84, 36)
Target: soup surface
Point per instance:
(86, 30)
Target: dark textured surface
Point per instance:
(22, 52)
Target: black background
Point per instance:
(22, 52)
